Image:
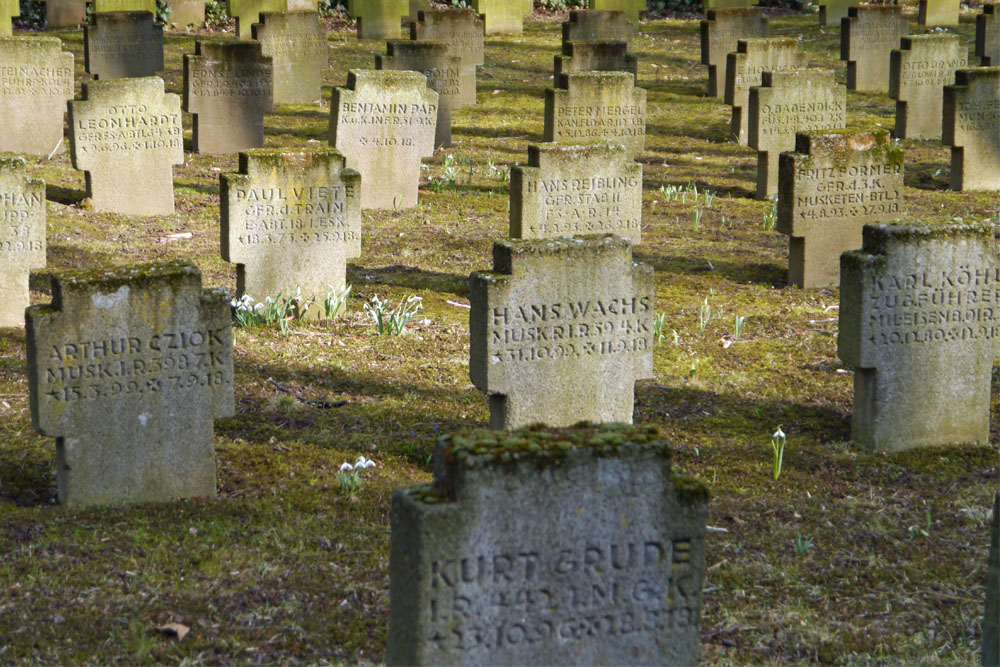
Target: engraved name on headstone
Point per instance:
(744, 67)
(604, 26)
(122, 45)
(296, 43)
(592, 56)
(597, 106)
(867, 37)
(918, 72)
(937, 12)
(22, 236)
(972, 128)
(37, 81)
(503, 17)
(462, 32)
(721, 31)
(988, 35)
(378, 19)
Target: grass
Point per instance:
(285, 568)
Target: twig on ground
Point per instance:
(308, 401)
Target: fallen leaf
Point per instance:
(178, 630)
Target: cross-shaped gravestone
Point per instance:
(247, 12)
(378, 19)
(184, 13)
(383, 124)
(296, 43)
(127, 369)
(721, 31)
(65, 13)
(22, 236)
(988, 35)
(867, 37)
(122, 45)
(991, 620)
(593, 56)
(632, 8)
(126, 134)
(919, 323)
(918, 72)
(604, 26)
(560, 330)
(937, 12)
(597, 106)
(832, 11)
(972, 128)
(591, 189)
(8, 9)
(462, 32)
(503, 17)
(786, 102)
(744, 67)
(828, 189)
(290, 221)
(37, 82)
(105, 6)
(227, 86)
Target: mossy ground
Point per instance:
(849, 557)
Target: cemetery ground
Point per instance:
(848, 556)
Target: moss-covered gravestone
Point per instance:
(972, 128)
(548, 547)
(828, 189)
(503, 17)
(127, 369)
(592, 56)
(937, 12)
(786, 102)
(560, 330)
(576, 189)
(247, 12)
(832, 11)
(461, 31)
(37, 82)
(296, 44)
(122, 45)
(378, 19)
(920, 322)
(991, 620)
(126, 134)
(632, 8)
(597, 106)
(227, 87)
(744, 68)
(184, 13)
(8, 9)
(727, 4)
(602, 26)
(721, 31)
(867, 37)
(104, 6)
(988, 35)
(383, 124)
(22, 236)
(918, 72)
(65, 13)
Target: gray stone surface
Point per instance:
(918, 72)
(127, 369)
(971, 126)
(726, 4)
(104, 6)
(919, 322)
(290, 220)
(597, 106)
(65, 13)
(593, 56)
(37, 83)
(937, 12)
(383, 123)
(560, 330)
(632, 8)
(462, 32)
(721, 31)
(988, 35)
(8, 9)
(247, 12)
(867, 37)
(378, 19)
(503, 17)
(991, 620)
(227, 87)
(184, 13)
(744, 67)
(22, 236)
(548, 547)
(828, 189)
(573, 189)
(122, 45)
(604, 26)
(296, 43)
(832, 11)
(417, 6)
(126, 134)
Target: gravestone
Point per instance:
(9, 9)
(296, 43)
(126, 134)
(548, 547)
(919, 323)
(503, 17)
(972, 128)
(591, 56)
(37, 82)
(744, 67)
(65, 13)
(22, 236)
(227, 87)
(291, 220)
(383, 124)
(786, 102)
(560, 330)
(462, 32)
(122, 45)
(184, 13)
(721, 31)
(937, 12)
(417, 6)
(603, 26)
(832, 12)
(828, 189)
(991, 620)
(127, 370)
(867, 37)
(563, 190)
(118, 6)
(247, 12)
(632, 8)
(597, 106)
(378, 19)
(988, 35)
(918, 72)
(445, 74)
(726, 4)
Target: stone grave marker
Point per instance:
(832, 12)
(591, 56)
(721, 31)
(461, 31)
(991, 619)
(22, 236)
(445, 74)
(123, 45)
(65, 13)
(597, 106)
(786, 102)
(503, 17)
(126, 134)
(726, 4)
(291, 220)
(560, 330)
(744, 67)
(378, 19)
(127, 369)
(247, 12)
(576, 189)
(37, 82)
(227, 87)
(937, 12)
(603, 26)
(918, 72)
(117, 6)
(828, 189)
(516, 555)
(417, 6)
(383, 124)
(184, 13)
(919, 323)
(988, 35)
(296, 43)
(9, 9)
(972, 128)
(632, 8)
(867, 37)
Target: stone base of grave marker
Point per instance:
(971, 126)
(22, 236)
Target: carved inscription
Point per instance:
(32, 81)
(854, 191)
(935, 73)
(591, 205)
(240, 81)
(298, 215)
(786, 119)
(978, 116)
(127, 128)
(387, 115)
(599, 122)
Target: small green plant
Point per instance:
(278, 310)
(500, 175)
(802, 546)
(389, 320)
(771, 217)
(670, 192)
(738, 327)
(335, 302)
(778, 440)
(658, 323)
(704, 314)
(349, 476)
(696, 214)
